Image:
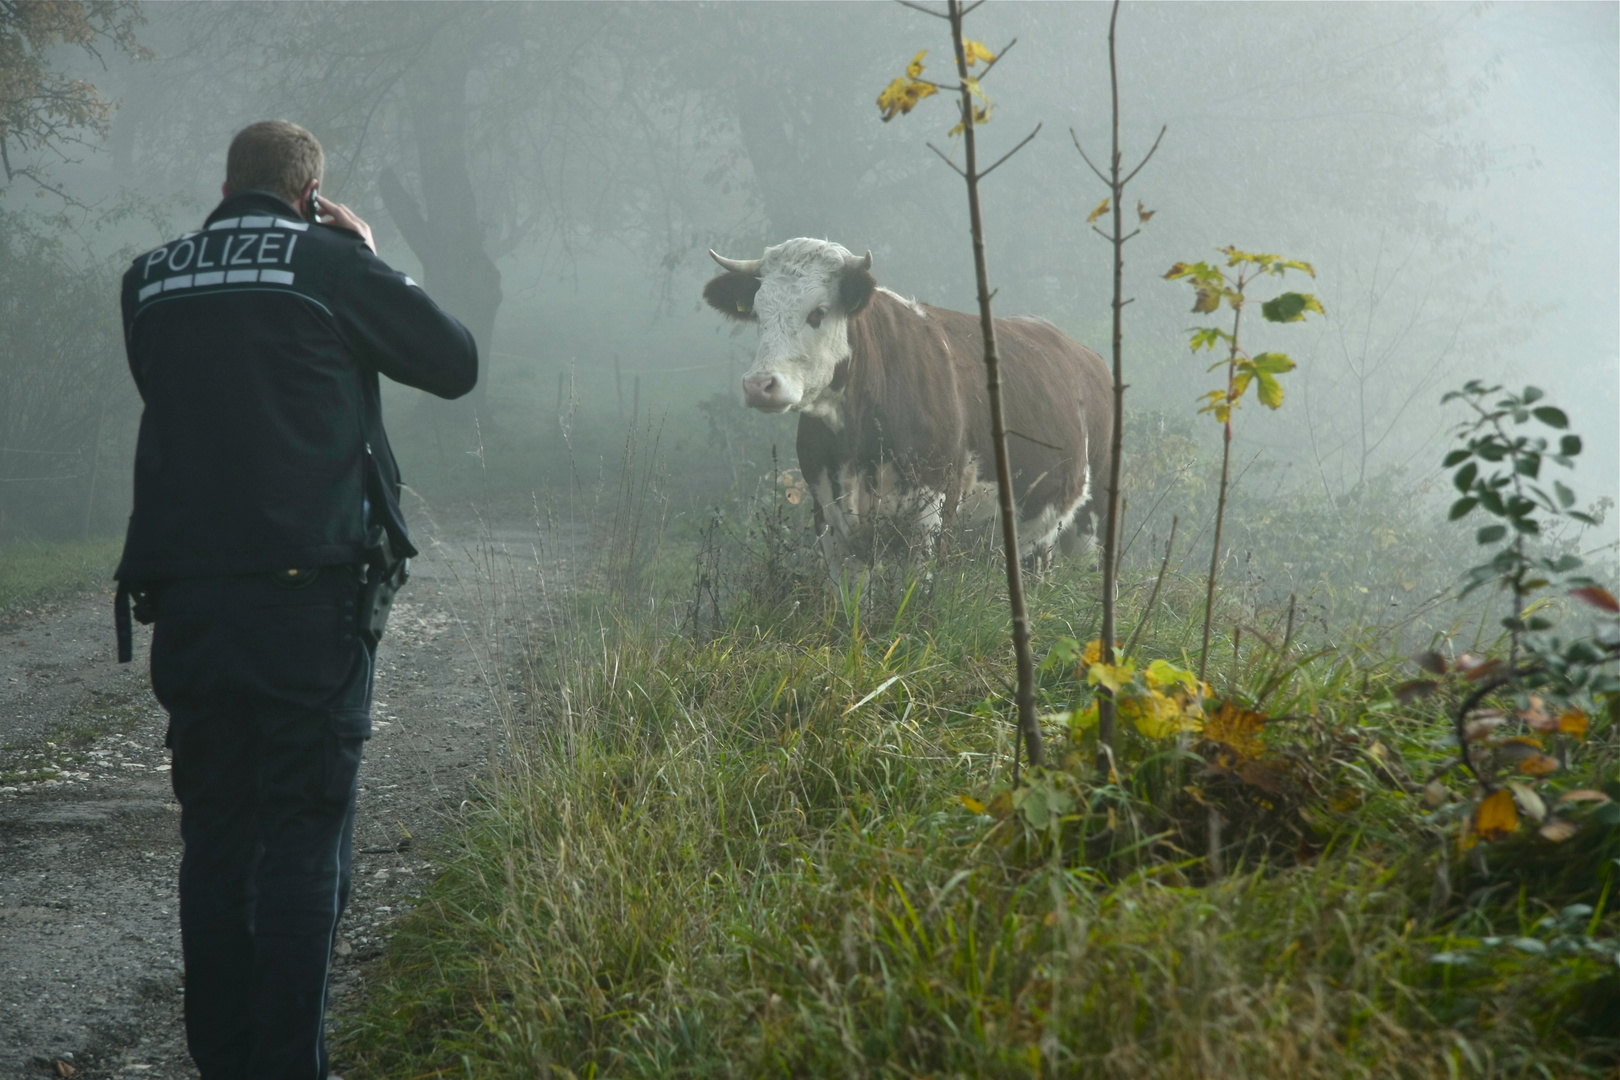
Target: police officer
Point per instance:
(266, 502)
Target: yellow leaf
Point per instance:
(981, 115)
(974, 805)
(1113, 676)
(1092, 653)
(914, 69)
(1143, 215)
(1539, 765)
(1496, 816)
(1237, 728)
(901, 96)
(1207, 299)
(973, 87)
(1573, 723)
(1161, 675)
(1156, 715)
(1102, 208)
(974, 51)
(1085, 719)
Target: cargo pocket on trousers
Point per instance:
(341, 767)
(346, 733)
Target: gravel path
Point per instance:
(90, 975)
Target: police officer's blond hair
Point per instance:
(275, 156)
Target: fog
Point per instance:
(555, 173)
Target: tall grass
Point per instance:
(737, 845)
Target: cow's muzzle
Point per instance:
(766, 393)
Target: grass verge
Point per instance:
(34, 572)
(747, 852)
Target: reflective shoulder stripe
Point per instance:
(226, 223)
(257, 222)
(181, 293)
(216, 277)
(295, 226)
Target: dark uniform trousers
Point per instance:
(268, 689)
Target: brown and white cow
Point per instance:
(894, 425)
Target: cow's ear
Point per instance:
(855, 290)
(732, 295)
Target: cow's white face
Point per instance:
(802, 296)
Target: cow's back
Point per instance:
(917, 373)
(916, 416)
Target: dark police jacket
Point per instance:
(256, 344)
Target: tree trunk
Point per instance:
(1028, 722)
(443, 230)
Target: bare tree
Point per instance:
(1110, 559)
(1029, 727)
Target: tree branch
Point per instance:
(947, 160)
(1005, 49)
(1145, 160)
(1037, 442)
(1153, 598)
(1024, 142)
(925, 10)
(1088, 160)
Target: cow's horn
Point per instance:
(855, 266)
(737, 266)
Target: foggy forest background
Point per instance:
(554, 174)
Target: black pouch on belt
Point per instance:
(388, 551)
(386, 572)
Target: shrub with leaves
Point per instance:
(1521, 721)
(1213, 284)
(1498, 470)
(1161, 699)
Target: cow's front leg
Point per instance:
(833, 537)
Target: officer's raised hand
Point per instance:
(335, 213)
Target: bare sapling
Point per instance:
(900, 97)
(1111, 522)
(1211, 285)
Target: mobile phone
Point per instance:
(315, 203)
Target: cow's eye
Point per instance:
(815, 317)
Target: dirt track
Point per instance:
(89, 831)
